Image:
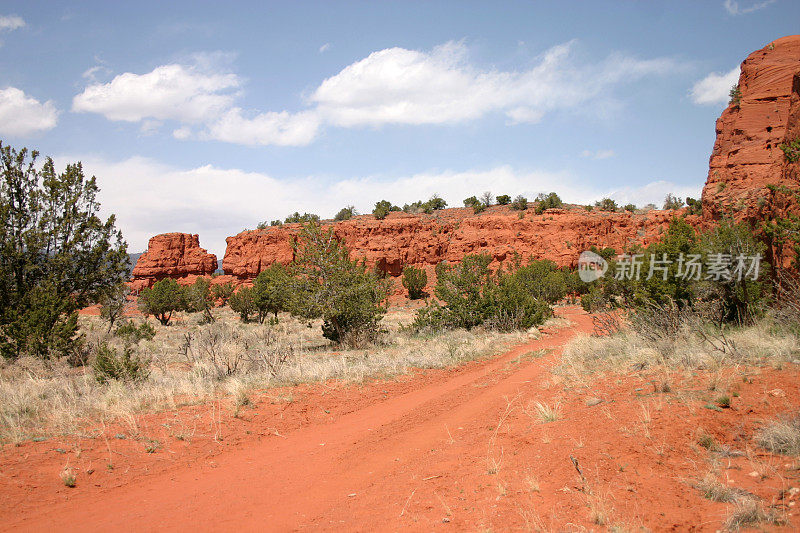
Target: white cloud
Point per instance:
(598, 154)
(324, 48)
(11, 23)
(281, 129)
(732, 7)
(149, 197)
(400, 86)
(715, 88)
(390, 86)
(169, 92)
(22, 115)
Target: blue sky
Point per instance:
(207, 117)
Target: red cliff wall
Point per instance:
(425, 240)
(746, 156)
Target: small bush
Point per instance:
(474, 295)
(695, 206)
(607, 204)
(223, 291)
(672, 203)
(346, 213)
(383, 208)
(520, 203)
(630, 207)
(471, 201)
(302, 219)
(480, 207)
(132, 333)
(734, 95)
(163, 299)
(271, 291)
(791, 150)
(108, 365)
(547, 201)
(503, 199)
(414, 280)
(242, 302)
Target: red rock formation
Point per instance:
(425, 240)
(172, 255)
(746, 156)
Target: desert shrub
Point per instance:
(223, 291)
(471, 201)
(520, 203)
(433, 204)
(383, 208)
(695, 207)
(56, 254)
(414, 280)
(630, 207)
(109, 364)
(346, 213)
(503, 199)
(276, 222)
(163, 299)
(296, 217)
(547, 201)
(272, 291)
(791, 150)
(680, 240)
(242, 302)
(473, 295)
(197, 298)
(606, 204)
(113, 304)
(348, 296)
(436, 203)
(487, 199)
(480, 207)
(672, 202)
(132, 333)
(742, 297)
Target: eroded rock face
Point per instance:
(746, 156)
(425, 240)
(172, 255)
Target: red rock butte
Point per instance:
(746, 158)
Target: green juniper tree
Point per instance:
(56, 254)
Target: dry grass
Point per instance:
(781, 436)
(749, 512)
(192, 362)
(691, 347)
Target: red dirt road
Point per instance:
(449, 450)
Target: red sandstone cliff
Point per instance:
(172, 255)
(449, 235)
(746, 156)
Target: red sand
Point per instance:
(450, 449)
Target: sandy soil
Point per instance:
(457, 449)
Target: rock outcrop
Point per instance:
(425, 240)
(747, 155)
(172, 255)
